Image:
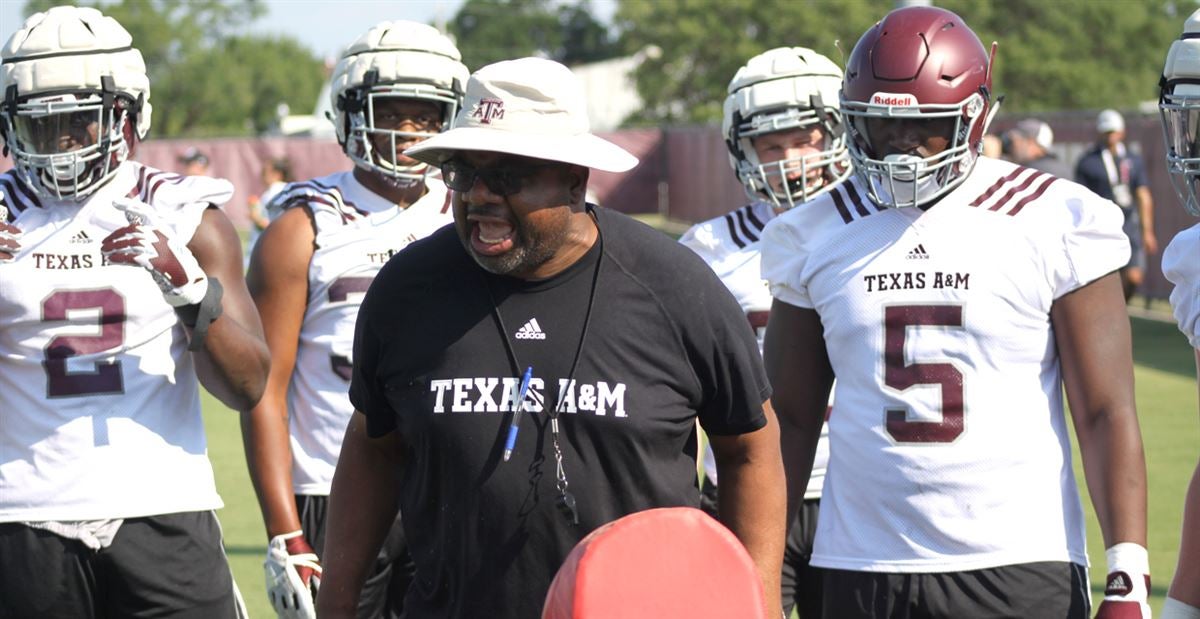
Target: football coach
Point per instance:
(537, 369)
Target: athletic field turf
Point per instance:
(1166, 395)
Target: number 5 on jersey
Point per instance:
(901, 376)
(340, 290)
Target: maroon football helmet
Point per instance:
(922, 66)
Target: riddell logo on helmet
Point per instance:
(488, 110)
(888, 98)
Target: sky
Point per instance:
(326, 26)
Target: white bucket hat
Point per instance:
(530, 107)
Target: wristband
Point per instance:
(1130, 560)
(199, 316)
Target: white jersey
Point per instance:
(1181, 265)
(357, 231)
(99, 401)
(730, 244)
(948, 449)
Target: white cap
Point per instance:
(530, 107)
(1109, 120)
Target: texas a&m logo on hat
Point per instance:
(488, 110)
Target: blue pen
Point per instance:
(511, 441)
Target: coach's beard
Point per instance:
(530, 248)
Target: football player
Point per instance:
(787, 146)
(1180, 106)
(954, 296)
(396, 85)
(120, 286)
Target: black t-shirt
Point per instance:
(666, 344)
(1091, 172)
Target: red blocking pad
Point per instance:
(664, 563)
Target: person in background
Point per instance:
(787, 146)
(396, 85)
(1028, 144)
(1180, 106)
(194, 162)
(121, 293)
(993, 146)
(537, 370)
(1111, 171)
(954, 297)
(276, 174)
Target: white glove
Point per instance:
(293, 576)
(153, 248)
(10, 235)
(1128, 583)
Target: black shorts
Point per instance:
(383, 594)
(801, 583)
(1048, 590)
(171, 565)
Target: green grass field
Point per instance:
(1166, 395)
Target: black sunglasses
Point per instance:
(502, 180)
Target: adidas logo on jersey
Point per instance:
(81, 237)
(918, 253)
(531, 331)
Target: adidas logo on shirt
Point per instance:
(531, 331)
(918, 253)
(81, 237)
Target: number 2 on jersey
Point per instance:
(340, 290)
(106, 377)
(901, 376)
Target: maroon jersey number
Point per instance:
(105, 377)
(900, 375)
(339, 291)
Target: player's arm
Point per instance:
(278, 281)
(362, 507)
(233, 361)
(750, 503)
(801, 377)
(1094, 345)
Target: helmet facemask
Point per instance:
(372, 146)
(907, 179)
(67, 144)
(811, 175)
(1180, 110)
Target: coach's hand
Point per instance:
(10, 235)
(1128, 583)
(293, 576)
(153, 248)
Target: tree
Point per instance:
(1076, 54)
(488, 31)
(704, 42)
(205, 79)
(1068, 54)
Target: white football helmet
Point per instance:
(76, 96)
(1179, 104)
(778, 90)
(398, 59)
